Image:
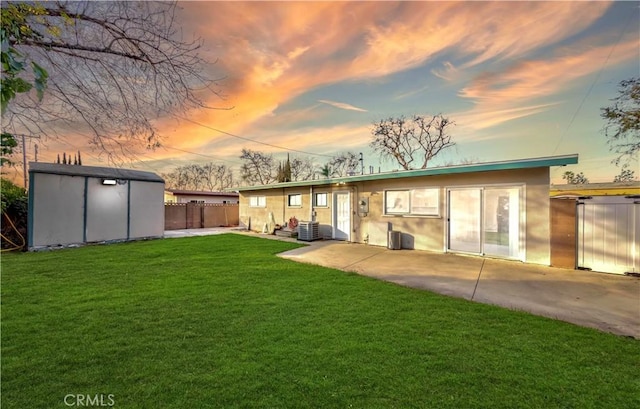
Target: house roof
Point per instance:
(561, 160)
(93, 171)
(201, 193)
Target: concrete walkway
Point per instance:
(172, 234)
(604, 301)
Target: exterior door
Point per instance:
(501, 227)
(341, 216)
(485, 221)
(464, 220)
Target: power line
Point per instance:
(595, 80)
(200, 154)
(245, 138)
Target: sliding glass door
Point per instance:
(464, 220)
(501, 227)
(485, 221)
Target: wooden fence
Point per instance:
(563, 233)
(200, 215)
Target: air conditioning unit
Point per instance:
(308, 231)
(395, 240)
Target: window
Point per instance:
(295, 200)
(419, 202)
(257, 201)
(425, 201)
(320, 200)
(397, 201)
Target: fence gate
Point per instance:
(609, 234)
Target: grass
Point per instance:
(221, 322)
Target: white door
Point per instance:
(464, 220)
(501, 225)
(609, 234)
(341, 216)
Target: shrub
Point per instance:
(14, 215)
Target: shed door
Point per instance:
(609, 234)
(341, 216)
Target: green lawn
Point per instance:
(221, 322)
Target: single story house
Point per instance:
(497, 209)
(71, 204)
(197, 196)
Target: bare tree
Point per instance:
(302, 169)
(209, 176)
(258, 168)
(414, 139)
(177, 179)
(113, 67)
(195, 176)
(217, 177)
(344, 164)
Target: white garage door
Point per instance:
(609, 234)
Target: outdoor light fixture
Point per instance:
(110, 182)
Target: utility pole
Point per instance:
(24, 155)
(361, 164)
(24, 161)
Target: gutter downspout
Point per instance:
(311, 218)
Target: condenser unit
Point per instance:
(308, 231)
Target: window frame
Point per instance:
(290, 196)
(393, 198)
(260, 201)
(326, 199)
(433, 195)
(407, 198)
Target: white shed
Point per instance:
(71, 204)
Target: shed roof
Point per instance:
(560, 160)
(93, 171)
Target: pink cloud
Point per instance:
(508, 94)
(274, 52)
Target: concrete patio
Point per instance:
(604, 301)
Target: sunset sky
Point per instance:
(520, 79)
